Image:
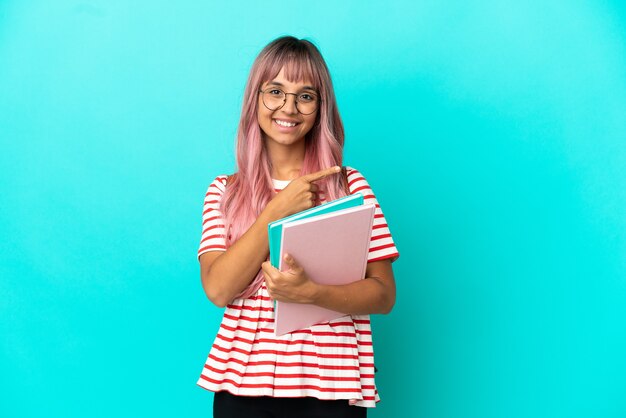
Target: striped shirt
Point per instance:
(333, 360)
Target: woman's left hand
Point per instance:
(291, 285)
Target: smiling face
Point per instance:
(286, 126)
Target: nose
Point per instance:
(290, 104)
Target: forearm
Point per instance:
(233, 270)
(367, 296)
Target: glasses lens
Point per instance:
(307, 103)
(273, 98)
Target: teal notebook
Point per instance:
(275, 229)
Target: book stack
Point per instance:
(331, 243)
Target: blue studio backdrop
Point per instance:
(493, 133)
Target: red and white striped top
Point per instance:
(334, 360)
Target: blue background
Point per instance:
(493, 133)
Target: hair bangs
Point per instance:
(298, 67)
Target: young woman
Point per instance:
(289, 154)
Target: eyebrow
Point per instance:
(279, 84)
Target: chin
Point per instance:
(290, 140)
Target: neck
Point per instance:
(286, 159)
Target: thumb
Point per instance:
(291, 262)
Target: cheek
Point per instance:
(263, 116)
(261, 110)
(311, 122)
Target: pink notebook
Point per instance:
(333, 249)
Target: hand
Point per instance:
(292, 285)
(299, 195)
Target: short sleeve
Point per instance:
(381, 242)
(213, 233)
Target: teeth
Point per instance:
(285, 124)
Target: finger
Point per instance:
(288, 259)
(291, 262)
(270, 272)
(269, 282)
(321, 174)
(266, 267)
(268, 279)
(313, 187)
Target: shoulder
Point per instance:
(220, 181)
(217, 187)
(356, 180)
(352, 172)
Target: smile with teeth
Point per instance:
(285, 123)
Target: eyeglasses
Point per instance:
(274, 98)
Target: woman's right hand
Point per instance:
(300, 194)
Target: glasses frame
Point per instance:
(319, 100)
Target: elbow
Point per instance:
(387, 302)
(218, 300)
(217, 297)
(386, 298)
(387, 307)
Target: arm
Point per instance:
(375, 294)
(224, 274)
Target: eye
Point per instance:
(306, 97)
(275, 92)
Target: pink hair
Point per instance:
(250, 189)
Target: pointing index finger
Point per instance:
(321, 174)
